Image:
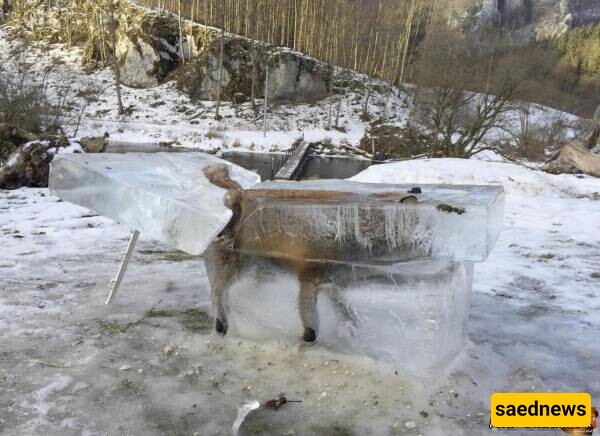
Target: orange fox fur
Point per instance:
(222, 263)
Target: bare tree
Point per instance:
(220, 80)
(369, 35)
(108, 9)
(181, 52)
(455, 118)
(112, 23)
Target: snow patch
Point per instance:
(516, 179)
(39, 398)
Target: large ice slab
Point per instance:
(367, 225)
(163, 195)
(412, 315)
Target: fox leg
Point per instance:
(307, 302)
(221, 266)
(341, 306)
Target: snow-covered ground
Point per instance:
(164, 114)
(150, 364)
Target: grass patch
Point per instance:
(159, 313)
(192, 319)
(178, 256)
(170, 256)
(115, 328)
(595, 196)
(547, 256)
(196, 320)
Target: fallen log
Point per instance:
(577, 157)
(574, 158)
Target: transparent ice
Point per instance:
(412, 315)
(449, 221)
(163, 195)
(395, 277)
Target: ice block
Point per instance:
(165, 196)
(412, 315)
(448, 221)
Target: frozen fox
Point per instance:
(222, 263)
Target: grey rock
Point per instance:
(137, 63)
(526, 19)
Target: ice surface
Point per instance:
(163, 195)
(410, 314)
(449, 221)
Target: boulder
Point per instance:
(137, 63)
(292, 76)
(149, 51)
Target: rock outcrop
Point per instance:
(150, 51)
(292, 76)
(525, 19)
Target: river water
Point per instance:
(265, 164)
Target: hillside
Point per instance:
(85, 103)
(526, 19)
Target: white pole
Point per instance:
(116, 282)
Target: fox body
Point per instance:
(223, 263)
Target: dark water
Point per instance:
(265, 164)
(134, 147)
(318, 167)
(330, 167)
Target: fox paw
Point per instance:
(309, 335)
(221, 326)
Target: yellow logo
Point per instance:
(541, 410)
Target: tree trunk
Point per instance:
(339, 107)
(218, 103)
(115, 62)
(254, 72)
(182, 54)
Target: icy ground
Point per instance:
(149, 364)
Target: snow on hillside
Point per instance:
(149, 363)
(164, 114)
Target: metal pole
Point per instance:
(116, 282)
(266, 96)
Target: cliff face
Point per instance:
(525, 19)
(150, 49)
